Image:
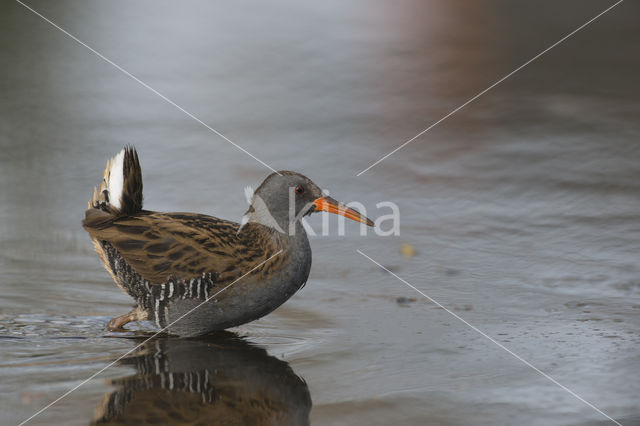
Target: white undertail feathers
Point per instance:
(120, 191)
(115, 180)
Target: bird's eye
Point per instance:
(299, 189)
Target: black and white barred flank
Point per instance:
(154, 298)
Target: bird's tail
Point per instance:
(120, 192)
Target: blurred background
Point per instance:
(521, 211)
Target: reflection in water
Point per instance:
(215, 380)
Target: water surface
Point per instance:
(523, 207)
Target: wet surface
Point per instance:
(522, 211)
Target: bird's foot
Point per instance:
(118, 323)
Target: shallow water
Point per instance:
(523, 208)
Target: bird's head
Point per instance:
(285, 197)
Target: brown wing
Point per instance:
(177, 245)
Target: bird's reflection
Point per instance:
(217, 380)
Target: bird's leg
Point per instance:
(117, 323)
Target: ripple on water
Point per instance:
(50, 327)
(44, 336)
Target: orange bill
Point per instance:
(328, 204)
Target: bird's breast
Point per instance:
(249, 298)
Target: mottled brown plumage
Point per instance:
(182, 245)
(171, 262)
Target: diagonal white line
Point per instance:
(145, 341)
(500, 345)
(493, 85)
(145, 85)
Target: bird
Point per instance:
(192, 274)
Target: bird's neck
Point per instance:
(279, 221)
(294, 237)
